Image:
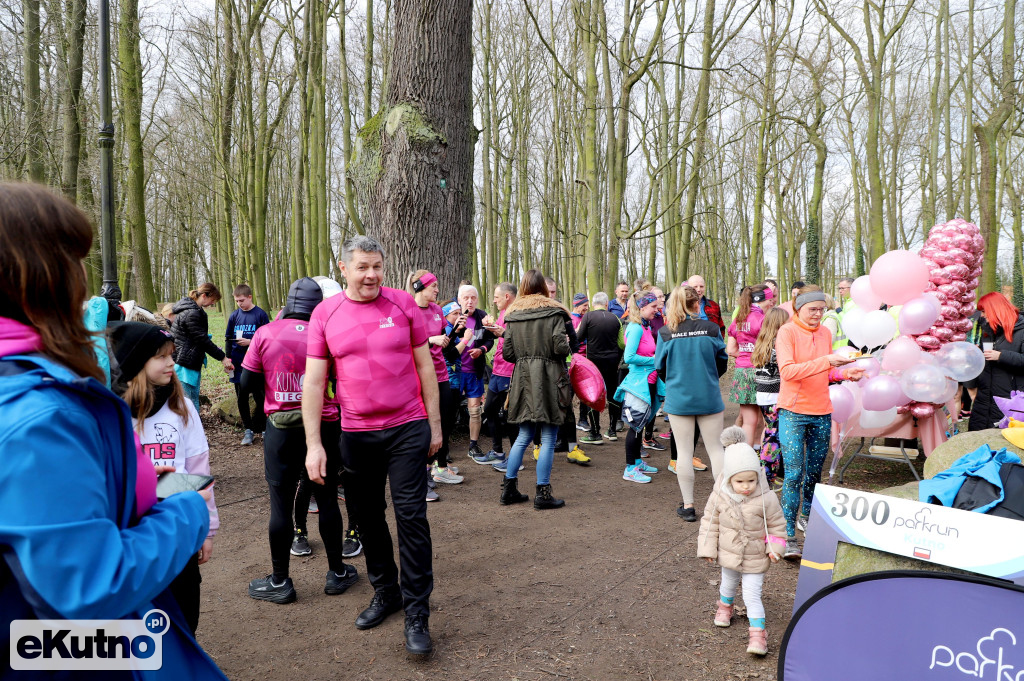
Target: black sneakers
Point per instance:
(265, 590)
(351, 546)
(300, 545)
(687, 514)
(384, 603)
(339, 583)
(417, 635)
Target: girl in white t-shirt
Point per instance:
(167, 426)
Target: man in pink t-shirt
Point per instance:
(374, 341)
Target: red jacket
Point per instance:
(713, 312)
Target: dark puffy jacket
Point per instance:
(998, 378)
(191, 331)
(537, 343)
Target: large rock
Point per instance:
(227, 410)
(943, 456)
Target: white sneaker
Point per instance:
(445, 476)
(801, 524)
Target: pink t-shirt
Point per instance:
(500, 367)
(278, 351)
(145, 480)
(647, 348)
(745, 334)
(433, 317)
(371, 345)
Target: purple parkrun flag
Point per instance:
(907, 626)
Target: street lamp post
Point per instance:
(108, 243)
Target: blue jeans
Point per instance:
(548, 435)
(800, 434)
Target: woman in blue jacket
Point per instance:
(82, 535)
(690, 359)
(640, 393)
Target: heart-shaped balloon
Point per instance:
(961, 288)
(928, 342)
(942, 333)
(921, 410)
(958, 337)
(956, 272)
(929, 252)
(943, 259)
(968, 297)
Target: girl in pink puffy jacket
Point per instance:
(743, 529)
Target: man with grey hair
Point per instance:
(373, 341)
(600, 331)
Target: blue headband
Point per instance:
(646, 299)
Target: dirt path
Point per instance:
(607, 588)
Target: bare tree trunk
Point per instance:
(72, 98)
(30, 100)
(420, 176)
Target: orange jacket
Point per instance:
(803, 363)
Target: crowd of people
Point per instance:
(362, 387)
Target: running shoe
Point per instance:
(445, 476)
(792, 549)
(699, 465)
(652, 444)
(313, 508)
(247, 438)
(475, 451)
(582, 426)
(801, 524)
(644, 454)
(610, 435)
(338, 583)
(432, 495)
(644, 468)
(300, 545)
(687, 514)
(264, 589)
(488, 458)
(591, 439)
(351, 546)
(777, 484)
(667, 435)
(620, 427)
(672, 467)
(633, 474)
(577, 456)
(502, 466)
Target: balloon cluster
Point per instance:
(922, 367)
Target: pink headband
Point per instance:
(427, 279)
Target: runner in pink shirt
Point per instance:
(276, 365)
(375, 340)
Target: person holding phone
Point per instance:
(97, 544)
(474, 366)
(806, 365)
(168, 426)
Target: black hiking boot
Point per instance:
(510, 493)
(544, 500)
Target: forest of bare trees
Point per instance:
(734, 138)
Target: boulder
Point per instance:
(226, 410)
(943, 456)
(855, 560)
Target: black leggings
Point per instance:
(448, 405)
(284, 453)
(185, 588)
(255, 421)
(494, 404)
(633, 439)
(609, 369)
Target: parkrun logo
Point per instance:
(990, 654)
(89, 645)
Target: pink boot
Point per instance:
(723, 616)
(758, 643)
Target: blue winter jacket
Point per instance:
(691, 359)
(640, 368)
(70, 544)
(981, 463)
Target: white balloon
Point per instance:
(923, 383)
(873, 420)
(961, 361)
(878, 328)
(853, 323)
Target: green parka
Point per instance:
(536, 341)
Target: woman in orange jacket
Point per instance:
(806, 364)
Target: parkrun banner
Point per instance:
(973, 542)
(907, 626)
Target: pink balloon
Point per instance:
(922, 411)
(941, 241)
(881, 393)
(958, 337)
(900, 354)
(950, 312)
(956, 272)
(968, 297)
(967, 309)
(961, 288)
(928, 342)
(979, 243)
(951, 388)
(918, 314)
(936, 276)
(943, 259)
(903, 409)
(864, 295)
(842, 403)
(962, 241)
(943, 334)
(870, 365)
(898, 276)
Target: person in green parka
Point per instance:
(537, 342)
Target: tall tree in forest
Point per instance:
(73, 48)
(418, 150)
(130, 82)
(30, 95)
